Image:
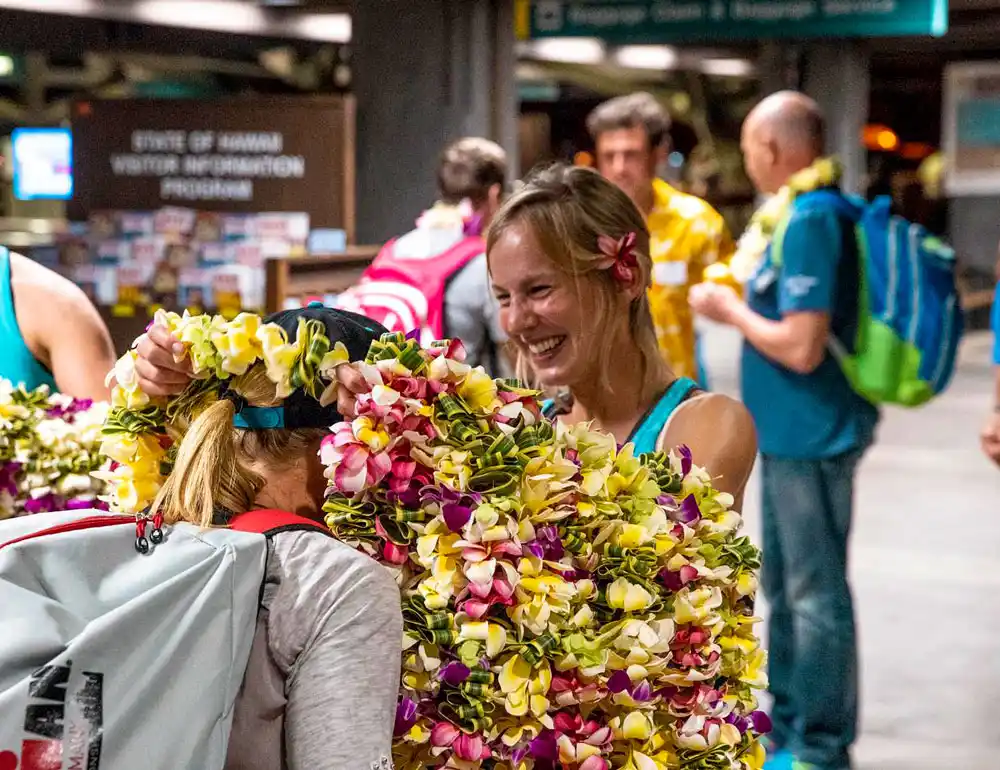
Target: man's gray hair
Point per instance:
(638, 109)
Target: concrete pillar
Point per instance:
(425, 73)
(778, 67)
(837, 76)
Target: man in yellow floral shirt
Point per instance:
(631, 138)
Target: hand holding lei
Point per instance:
(140, 431)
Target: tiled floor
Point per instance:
(926, 575)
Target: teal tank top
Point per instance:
(648, 430)
(645, 434)
(17, 364)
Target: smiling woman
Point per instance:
(569, 261)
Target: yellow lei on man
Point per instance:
(752, 245)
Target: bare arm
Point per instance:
(797, 341)
(990, 435)
(63, 330)
(721, 436)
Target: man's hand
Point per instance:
(989, 438)
(714, 301)
(159, 373)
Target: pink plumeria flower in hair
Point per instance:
(621, 256)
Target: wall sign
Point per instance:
(267, 154)
(680, 21)
(971, 127)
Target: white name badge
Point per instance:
(670, 273)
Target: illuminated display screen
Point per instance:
(43, 163)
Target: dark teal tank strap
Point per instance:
(6, 294)
(17, 364)
(10, 333)
(646, 433)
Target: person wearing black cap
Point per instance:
(161, 374)
(321, 684)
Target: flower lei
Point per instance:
(141, 432)
(49, 446)
(452, 216)
(566, 604)
(753, 244)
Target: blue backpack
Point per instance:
(910, 318)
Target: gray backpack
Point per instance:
(111, 659)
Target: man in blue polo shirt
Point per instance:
(812, 430)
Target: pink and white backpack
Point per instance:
(405, 293)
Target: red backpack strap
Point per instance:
(270, 522)
(384, 254)
(469, 247)
(451, 262)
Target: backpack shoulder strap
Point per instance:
(384, 254)
(832, 198)
(850, 206)
(778, 241)
(451, 262)
(468, 248)
(270, 522)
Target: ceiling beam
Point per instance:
(228, 16)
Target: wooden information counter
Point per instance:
(314, 275)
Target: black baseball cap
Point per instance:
(300, 409)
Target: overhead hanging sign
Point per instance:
(680, 21)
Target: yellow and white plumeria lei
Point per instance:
(753, 243)
(141, 431)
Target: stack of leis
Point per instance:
(141, 432)
(566, 604)
(755, 239)
(49, 446)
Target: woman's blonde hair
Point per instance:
(212, 474)
(568, 209)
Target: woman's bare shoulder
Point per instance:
(718, 410)
(721, 435)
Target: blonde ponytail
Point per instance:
(208, 473)
(214, 470)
